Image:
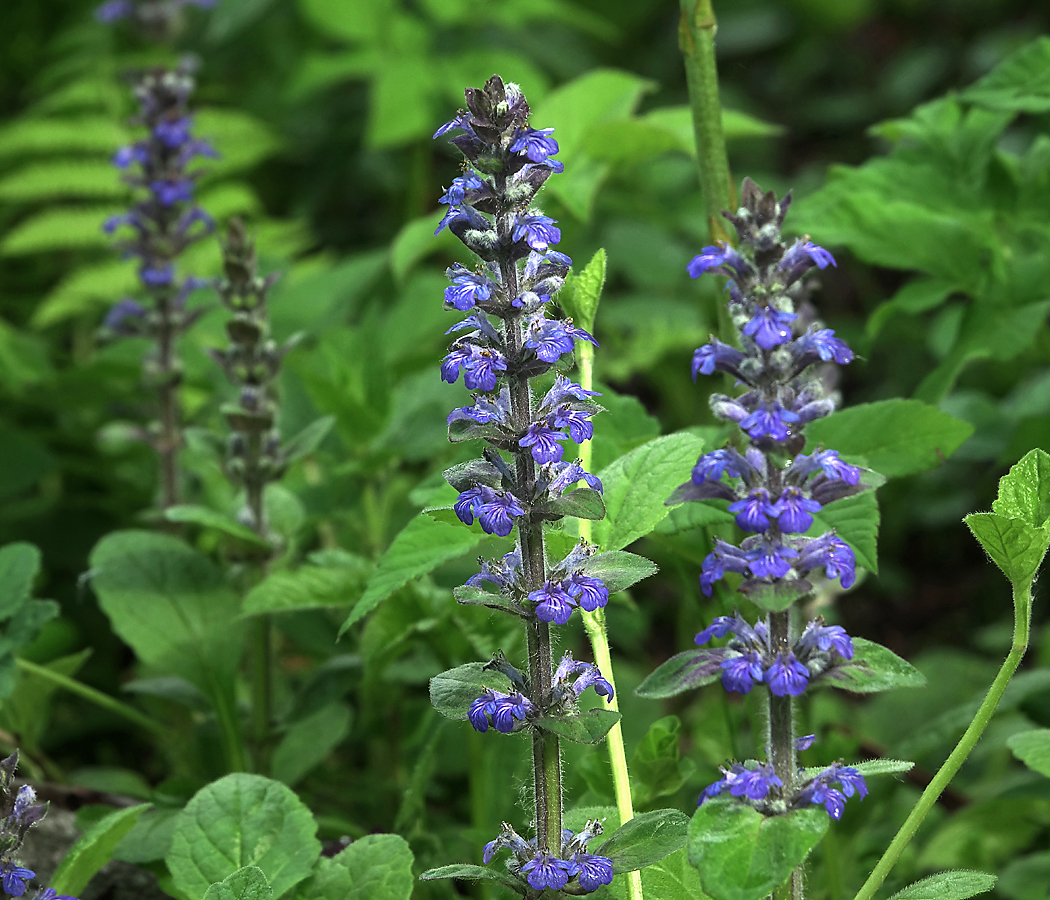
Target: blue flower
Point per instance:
(753, 512)
(549, 339)
(724, 558)
(769, 420)
(711, 466)
(125, 317)
(173, 132)
(467, 504)
(576, 420)
(720, 626)
(467, 290)
(831, 553)
(741, 673)
(510, 709)
(563, 475)
(805, 742)
(14, 879)
(822, 344)
(786, 676)
(565, 389)
(793, 511)
(769, 327)
(498, 511)
(459, 187)
(536, 144)
(544, 443)
(170, 192)
(594, 871)
(754, 784)
(157, 274)
(820, 790)
(590, 593)
(553, 603)
(826, 639)
(770, 559)
(481, 709)
(716, 356)
(713, 257)
(547, 871)
(805, 254)
(538, 231)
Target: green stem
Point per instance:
(696, 40)
(94, 696)
(594, 623)
(1022, 621)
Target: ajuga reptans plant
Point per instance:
(512, 344)
(162, 222)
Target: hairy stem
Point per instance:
(262, 626)
(1022, 621)
(781, 738)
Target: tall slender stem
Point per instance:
(169, 439)
(1022, 621)
(262, 626)
(781, 738)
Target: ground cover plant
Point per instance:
(355, 455)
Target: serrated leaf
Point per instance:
(59, 229)
(422, 546)
(375, 867)
(19, 565)
(618, 569)
(307, 742)
(1020, 83)
(247, 883)
(645, 839)
(416, 241)
(743, 855)
(682, 672)
(452, 692)
(637, 484)
(241, 139)
(1033, 749)
(1024, 492)
(582, 503)
(893, 437)
(655, 766)
(1016, 547)
(309, 439)
(212, 518)
(242, 820)
(587, 728)
(469, 595)
(960, 884)
(873, 668)
(40, 182)
(582, 292)
(80, 134)
(308, 587)
(93, 850)
(473, 873)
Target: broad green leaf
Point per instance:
(918, 296)
(308, 742)
(452, 692)
(308, 587)
(958, 885)
(375, 867)
(855, 520)
(212, 518)
(1024, 492)
(49, 181)
(583, 291)
(79, 134)
(637, 484)
(893, 437)
(348, 20)
(1020, 83)
(93, 850)
(671, 878)
(1024, 878)
(172, 606)
(873, 668)
(587, 728)
(678, 121)
(88, 289)
(416, 241)
(242, 820)
(655, 766)
(474, 873)
(309, 439)
(582, 503)
(743, 855)
(247, 883)
(619, 569)
(422, 546)
(233, 16)
(469, 595)
(1016, 547)
(19, 565)
(150, 838)
(24, 460)
(645, 839)
(1033, 749)
(59, 228)
(25, 707)
(241, 139)
(682, 672)
(627, 142)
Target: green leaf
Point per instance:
(233, 16)
(308, 587)
(375, 867)
(637, 484)
(684, 671)
(422, 546)
(26, 697)
(247, 883)
(308, 440)
(582, 503)
(60, 229)
(474, 873)
(452, 692)
(1024, 492)
(655, 765)
(855, 520)
(678, 121)
(416, 241)
(587, 728)
(1020, 83)
(619, 569)
(242, 820)
(172, 606)
(743, 855)
(80, 134)
(918, 296)
(348, 20)
(1033, 749)
(883, 767)
(893, 437)
(960, 884)
(52, 180)
(645, 839)
(19, 565)
(1016, 547)
(873, 668)
(93, 850)
(242, 139)
(308, 742)
(582, 292)
(212, 518)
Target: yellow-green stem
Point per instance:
(594, 623)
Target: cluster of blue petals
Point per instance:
(543, 869)
(505, 712)
(556, 600)
(749, 659)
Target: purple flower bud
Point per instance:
(711, 466)
(716, 356)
